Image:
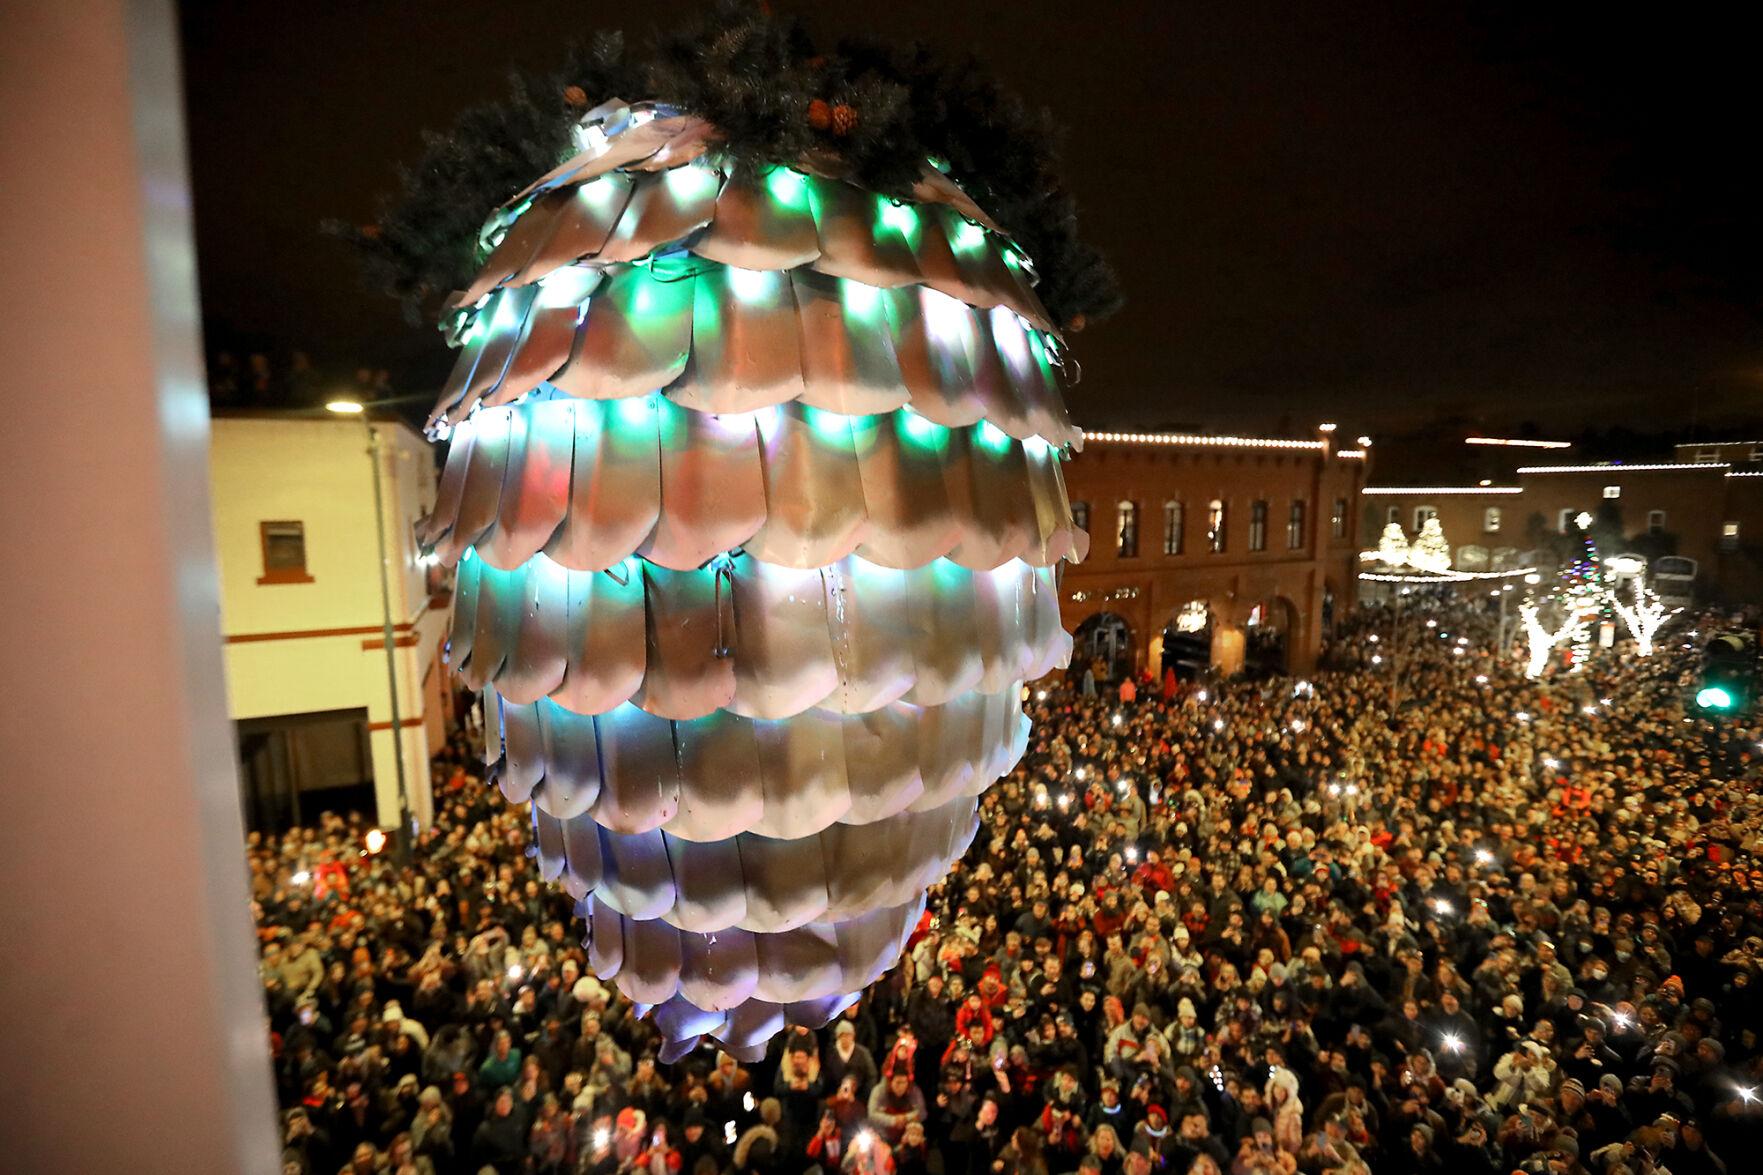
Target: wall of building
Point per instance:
(1148, 589)
(317, 643)
(1465, 513)
(1698, 502)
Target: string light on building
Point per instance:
(1618, 467)
(1517, 443)
(1435, 491)
(1199, 440)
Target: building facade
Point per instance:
(1231, 552)
(1703, 518)
(308, 683)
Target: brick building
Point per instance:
(1239, 550)
(1703, 508)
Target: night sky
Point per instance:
(1378, 212)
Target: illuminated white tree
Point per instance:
(1543, 640)
(1430, 551)
(1646, 616)
(1392, 546)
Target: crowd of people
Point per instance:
(1414, 914)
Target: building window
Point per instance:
(1080, 516)
(1564, 520)
(1421, 514)
(1295, 526)
(1174, 521)
(1706, 455)
(1612, 491)
(1729, 537)
(1490, 520)
(1215, 525)
(1126, 531)
(1393, 514)
(1655, 522)
(1337, 521)
(284, 552)
(1257, 525)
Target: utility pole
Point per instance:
(406, 828)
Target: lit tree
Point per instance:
(1392, 546)
(1430, 551)
(1543, 640)
(1583, 593)
(1645, 616)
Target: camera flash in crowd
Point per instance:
(1481, 679)
(375, 841)
(1132, 853)
(1453, 1043)
(515, 971)
(301, 878)
(602, 1137)
(1483, 857)
(1441, 906)
(1747, 1093)
(728, 1132)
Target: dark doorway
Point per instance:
(1267, 637)
(1187, 643)
(1104, 644)
(294, 766)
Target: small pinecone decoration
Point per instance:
(575, 97)
(844, 119)
(820, 115)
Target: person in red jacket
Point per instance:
(1154, 875)
(974, 1011)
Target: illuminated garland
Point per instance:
(1583, 593)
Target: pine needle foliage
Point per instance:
(760, 81)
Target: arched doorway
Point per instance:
(1269, 633)
(1187, 642)
(1104, 643)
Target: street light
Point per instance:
(347, 407)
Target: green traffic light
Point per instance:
(1712, 697)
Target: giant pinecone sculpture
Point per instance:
(755, 500)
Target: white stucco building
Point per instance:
(308, 685)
